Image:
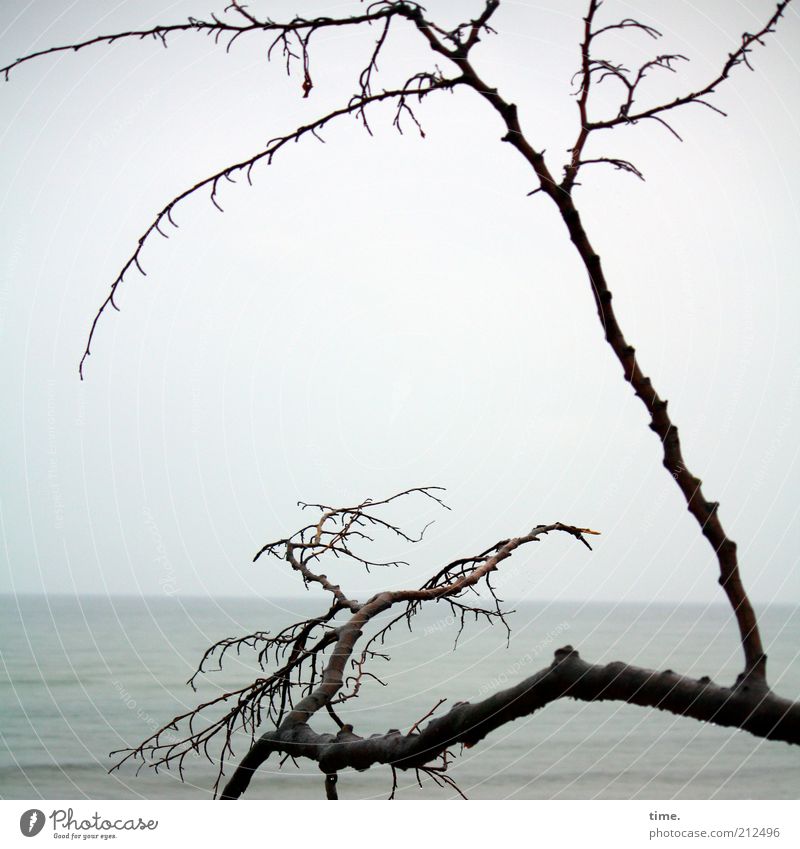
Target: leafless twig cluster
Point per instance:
(316, 666)
(595, 71)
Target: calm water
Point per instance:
(83, 676)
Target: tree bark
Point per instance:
(750, 708)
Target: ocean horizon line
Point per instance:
(154, 596)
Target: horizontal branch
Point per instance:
(753, 709)
(619, 164)
(217, 29)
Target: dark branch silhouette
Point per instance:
(594, 71)
(415, 88)
(321, 663)
(761, 713)
(316, 665)
(299, 29)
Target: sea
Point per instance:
(84, 676)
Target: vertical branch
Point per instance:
(705, 512)
(571, 171)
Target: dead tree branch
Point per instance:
(704, 511)
(301, 29)
(757, 711)
(414, 89)
(595, 71)
(291, 39)
(312, 656)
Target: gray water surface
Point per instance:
(82, 676)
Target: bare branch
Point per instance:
(571, 170)
(737, 57)
(315, 664)
(705, 512)
(480, 24)
(302, 27)
(159, 33)
(619, 164)
(752, 709)
(597, 70)
(629, 23)
(241, 8)
(365, 79)
(311, 656)
(357, 105)
(428, 715)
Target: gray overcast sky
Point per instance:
(379, 313)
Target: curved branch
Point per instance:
(419, 89)
(351, 631)
(619, 165)
(159, 33)
(752, 709)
